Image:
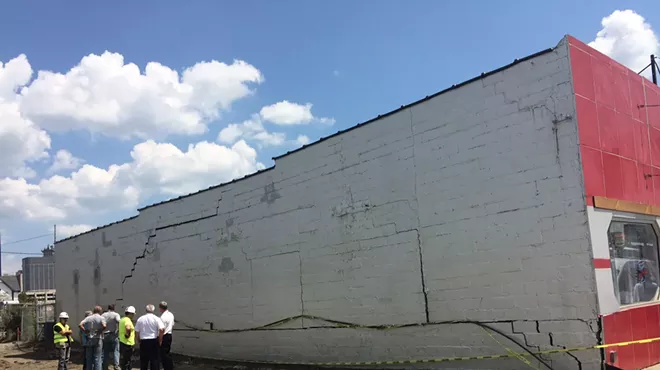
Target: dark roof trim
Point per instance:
(453, 87)
(95, 229)
(403, 107)
(168, 201)
(207, 189)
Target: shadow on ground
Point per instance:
(32, 352)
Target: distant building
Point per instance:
(39, 272)
(10, 286)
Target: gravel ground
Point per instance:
(25, 357)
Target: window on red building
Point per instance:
(634, 255)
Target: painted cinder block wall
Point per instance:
(467, 205)
(620, 151)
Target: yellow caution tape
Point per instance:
(522, 356)
(511, 354)
(509, 350)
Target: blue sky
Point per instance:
(351, 60)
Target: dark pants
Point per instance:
(110, 349)
(126, 354)
(85, 349)
(165, 355)
(149, 354)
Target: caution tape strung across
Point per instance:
(341, 324)
(436, 360)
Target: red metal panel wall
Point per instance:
(620, 146)
(620, 142)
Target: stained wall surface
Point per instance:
(466, 206)
(619, 129)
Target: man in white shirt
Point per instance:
(168, 320)
(149, 331)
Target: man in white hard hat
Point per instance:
(126, 338)
(62, 339)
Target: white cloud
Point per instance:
(65, 231)
(18, 198)
(24, 172)
(302, 140)
(627, 38)
(64, 160)
(166, 169)
(155, 168)
(288, 113)
(103, 94)
(281, 113)
(327, 121)
(14, 74)
(21, 140)
(251, 129)
(231, 133)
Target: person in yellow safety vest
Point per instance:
(62, 338)
(126, 338)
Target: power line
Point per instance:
(26, 239)
(26, 253)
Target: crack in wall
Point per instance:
(579, 363)
(251, 289)
(524, 335)
(419, 238)
(302, 299)
(421, 270)
(556, 121)
(599, 337)
(152, 234)
(145, 251)
(186, 222)
(551, 337)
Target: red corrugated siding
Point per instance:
(620, 147)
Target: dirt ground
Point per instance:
(28, 357)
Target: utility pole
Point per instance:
(0, 254)
(54, 235)
(654, 71)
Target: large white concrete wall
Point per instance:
(467, 206)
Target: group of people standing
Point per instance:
(106, 336)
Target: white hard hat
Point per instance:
(64, 315)
(130, 309)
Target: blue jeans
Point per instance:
(94, 354)
(110, 348)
